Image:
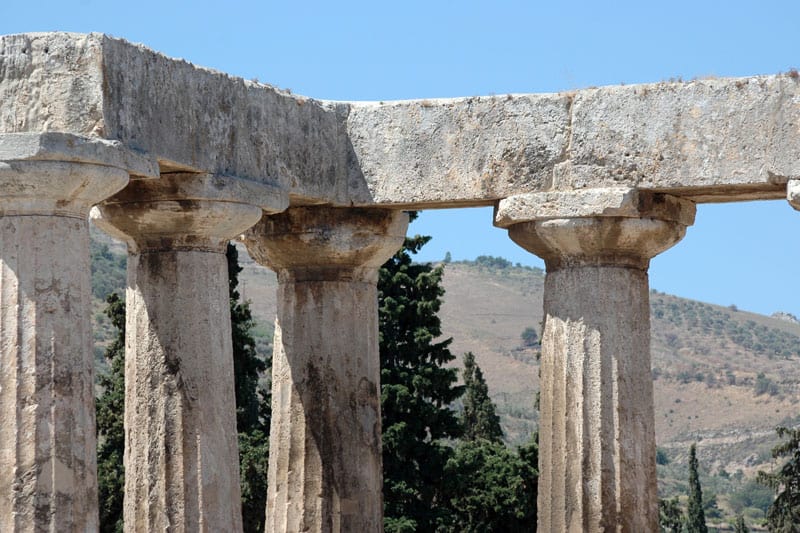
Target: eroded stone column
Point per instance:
(325, 465)
(181, 456)
(48, 479)
(597, 429)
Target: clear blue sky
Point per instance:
(747, 254)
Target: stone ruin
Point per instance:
(176, 160)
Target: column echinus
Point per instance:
(181, 458)
(596, 433)
(325, 462)
(48, 183)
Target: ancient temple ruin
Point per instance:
(176, 160)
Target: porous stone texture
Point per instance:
(597, 431)
(707, 140)
(325, 464)
(793, 193)
(181, 456)
(462, 151)
(48, 479)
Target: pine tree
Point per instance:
(416, 392)
(110, 429)
(479, 419)
(695, 520)
(784, 513)
(252, 404)
(740, 526)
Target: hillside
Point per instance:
(722, 377)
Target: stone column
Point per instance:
(181, 455)
(48, 479)
(325, 466)
(597, 431)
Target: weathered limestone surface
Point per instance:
(708, 140)
(325, 440)
(47, 430)
(181, 457)
(793, 193)
(597, 431)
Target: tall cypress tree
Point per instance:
(695, 519)
(416, 392)
(479, 418)
(252, 403)
(110, 429)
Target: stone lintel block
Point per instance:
(793, 193)
(68, 147)
(186, 211)
(323, 243)
(623, 202)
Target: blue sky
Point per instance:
(745, 254)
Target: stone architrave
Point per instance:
(181, 455)
(325, 464)
(597, 430)
(48, 474)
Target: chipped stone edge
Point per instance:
(68, 147)
(793, 193)
(270, 197)
(626, 202)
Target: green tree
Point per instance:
(529, 337)
(740, 526)
(670, 515)
(479, 419)
(784, 513)
(110, 429)
(695, 520)
(491, 488)
(417, 390)
(252, 403)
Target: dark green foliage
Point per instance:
(765, 385)
(529, 338)
(253, 462)
(110, 430)
(492, 262)
(740, 526)
(108, 270)
(416, 392)
(784, 513)
(252, 404)
(248, 365)
(491, 488)
(670, 516)
(661, 457)
(695, 519)
(479, 419)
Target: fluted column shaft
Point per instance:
(181, 454)
(48, 478)
(597, 469)
(325, 463)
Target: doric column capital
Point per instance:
(60, 174)
(186, 211)
(327, 243)
(620, 227)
